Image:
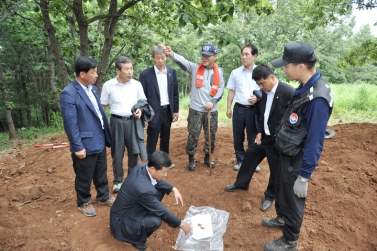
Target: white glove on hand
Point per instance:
(300, 188)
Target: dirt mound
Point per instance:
(38, 209)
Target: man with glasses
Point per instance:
(241, 87)
(207, 88)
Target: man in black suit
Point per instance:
(275, 97)
(137, 211)
(160, 86)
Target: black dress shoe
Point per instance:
(233, 188)
(140, 247)
(266, 205)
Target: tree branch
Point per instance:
(68, 3)
(9, 9)
(29, 19)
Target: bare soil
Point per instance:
(38, 209)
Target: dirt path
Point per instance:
(38, 212)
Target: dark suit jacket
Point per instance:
(283, 95)
(137, 198)
(149, 82)
(81, 122)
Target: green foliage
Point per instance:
(360, 55)
(57, 121)
(4, 141)
(185, 26)
(323, 12)
(354, 103)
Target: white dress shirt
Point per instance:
(162, 80)
(121, 97)
(270, 99)
(243, 84)
(88, 91)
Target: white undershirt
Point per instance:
(270, 99)
(162, 80)
(153, 181)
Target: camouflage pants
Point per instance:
(195, 121)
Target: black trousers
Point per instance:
(152, 222)
(253, 156)
(92, 167)
(291, 207)
(243, 119)
(161, 129)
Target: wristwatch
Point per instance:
(303, 179)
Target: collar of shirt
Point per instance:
(158, 71)
(251, 70)
(303, 88)
(89, 88)
(117, 82)
(273, 90)
(153, 181)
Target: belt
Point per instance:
(245, 106)
(122, 117)
(165, 106)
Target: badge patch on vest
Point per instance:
(293, 118)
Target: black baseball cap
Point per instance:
(295, 52)
(209, 49)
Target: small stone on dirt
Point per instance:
(246, 206)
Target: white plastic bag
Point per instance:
(190, 242)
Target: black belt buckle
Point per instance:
(245, 106)
(164, 106)
(121, 117)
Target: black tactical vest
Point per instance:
(291, 131)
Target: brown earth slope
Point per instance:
(38, 211)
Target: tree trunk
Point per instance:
(109, 29)
(45, 113)
(20, 118)
(51, 64)
(8, 111)
(54, 43)
(71, 21)
(27, 101)
(83, 24)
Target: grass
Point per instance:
(34, 134)
(354, 103)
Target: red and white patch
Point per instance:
(293, 118)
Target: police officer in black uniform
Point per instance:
(299, 140)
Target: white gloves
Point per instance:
(300, 188)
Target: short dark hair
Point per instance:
(122, 60)
(84, 64)
(159, 159)
(254, 49)
(262, 71)
(309, 65)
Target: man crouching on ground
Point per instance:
(137, 212)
